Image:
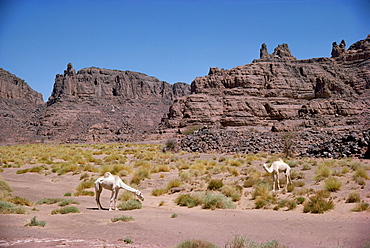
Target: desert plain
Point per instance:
(161, 222)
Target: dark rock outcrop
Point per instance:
(326, 144)
(18, 102)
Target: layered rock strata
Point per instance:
(18, 102)
(100, 105)
(282, 93)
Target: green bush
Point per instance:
(122, 218)
(353, 197)
(246, 242)
(130, 205)
(66, 210)
(213, 201)
(188, 200)
(158, 192)
(318, 205)
(49, 201)
(10, 208)
(66, 202)
(361, 206)
(196, 243)
(262, 196)
(333, 184)
(34, 222)
(215, 184)
(17, 200)
(233, 191)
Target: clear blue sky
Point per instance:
(174, 41)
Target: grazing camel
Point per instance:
(112, 183)
(275, 168)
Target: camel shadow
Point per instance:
(106, 209)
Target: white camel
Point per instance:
(275, 168)
(114, 184)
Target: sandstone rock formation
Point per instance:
(100, 105)
(281, 93)
(17, 105)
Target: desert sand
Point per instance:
(154, 225)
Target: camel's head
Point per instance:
(140, 195)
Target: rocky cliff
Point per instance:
(100, 105)
(17, 105)
(280, 93)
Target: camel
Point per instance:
(114, 184)
(275, 168)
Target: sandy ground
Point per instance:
(154, 226)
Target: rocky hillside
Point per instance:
(314, 98)
(17, 104)
(101, 105)
(282, 93)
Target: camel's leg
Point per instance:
(115, 200)
(278, 181)
(98, 190)
(112, 199)
(273, 182)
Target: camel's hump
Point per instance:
(107, 174)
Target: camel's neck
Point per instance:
(126, 187)
(269, 170)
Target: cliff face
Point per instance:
(17, 105)
(281, 93)
(96, 105)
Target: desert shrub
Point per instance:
(116, 169)
(290, 204)
(17, 200)
(293, 163)
(115, 158)
(191, 130)
(66, 210)
(353, 197)
(298, 183)
(171, 145)
(130, 205)
(84, 193)
(10, 208)
(35, 169)
(127, 195)
(300, 200)
(306, 166)
(143, 172)
(66, 202)
(161, 168)
(215, 184)
(318, 205)
(252, 179)
(332, 184)
(122, 218)
(34, 222)
(323, 171)
(246, 242)
(361, 206)
(288, 142)
(213, 201)
(49, 201)
(160, 191)
(233, 191)
(361, 172)
(188, 200)
(262, 196)
(5, 189)
(174, 183)
(196, 243)
(68, 194)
